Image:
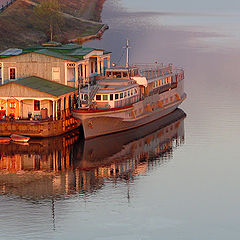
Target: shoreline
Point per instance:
(79, 27)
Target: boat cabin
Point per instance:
(121, 73)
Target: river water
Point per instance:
(177, 178)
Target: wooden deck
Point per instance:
(45, 128)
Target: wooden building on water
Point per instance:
(38, 86)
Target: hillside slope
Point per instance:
(18, 27)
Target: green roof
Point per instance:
(81, 51)
(46, 86)
(71, 52)
(58, 55)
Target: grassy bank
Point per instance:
(18, 27)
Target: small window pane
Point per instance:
(12, 73)
(36, 105)
(117, 74)
(117, 96)
(111, 97)
(125, 75)
(121, 95)
(105, 97)
(85, 97)
(98, 97)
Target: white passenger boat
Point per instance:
(128, 97)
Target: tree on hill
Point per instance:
(49, 17)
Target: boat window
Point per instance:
(105, 97)
(98, 97)
(117, 75)
(111, 97)
(125, 74)
(116, 96)
(121, 95)
(125, 94)
(108, 74)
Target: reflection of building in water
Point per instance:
(61, 166)
(43, 168)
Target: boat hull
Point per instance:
(97, 125)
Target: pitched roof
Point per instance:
(58, 55)
(71, 52)
(46, 86)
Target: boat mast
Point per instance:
(127, 55)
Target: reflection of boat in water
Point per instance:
(61, 166)
(114, 154)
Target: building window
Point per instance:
(12, 105)
(12, 73)
(85, 97)
(125, 94)
(98, 97)
(105, 97)
(111, 97)
(92, 69)
(116, 96)
(56, 73)
(36, 105)
(128, 93)
(121, 95)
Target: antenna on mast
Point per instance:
(127, 55)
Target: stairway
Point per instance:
(93, 91)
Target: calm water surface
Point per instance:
(178, 180)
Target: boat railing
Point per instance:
(179, 72)
(156, 70)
